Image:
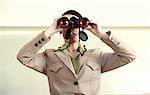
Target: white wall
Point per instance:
(21, 20)
(16, 79)
(107, 12)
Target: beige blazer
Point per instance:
(58, 67)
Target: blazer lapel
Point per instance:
(83, 59)
(66, 60)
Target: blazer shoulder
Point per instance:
(94, 50)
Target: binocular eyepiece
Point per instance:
(72, 23)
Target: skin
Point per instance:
(75, 37)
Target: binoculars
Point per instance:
(72, 23)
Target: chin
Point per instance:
(73, 41)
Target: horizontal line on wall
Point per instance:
(45, 27)
(48, 26)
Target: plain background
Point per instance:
(22, 20)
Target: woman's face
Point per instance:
(75, 32)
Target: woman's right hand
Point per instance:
(54, 28)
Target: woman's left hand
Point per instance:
(93, 27)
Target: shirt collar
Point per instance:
(81, 48)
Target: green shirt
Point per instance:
(74, 60)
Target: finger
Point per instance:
(88, 27)
(91, 21)
(56, 20)
(59, 29)
(92, 25)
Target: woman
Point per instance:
(72, 69)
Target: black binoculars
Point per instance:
(72, 23)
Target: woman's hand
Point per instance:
(93, 27)
(54, 28)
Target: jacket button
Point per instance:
(75, 83)
(118, 43)
(36, 44)
(42, 39)
(39, 42)
(108, 33)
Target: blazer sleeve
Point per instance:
(122, 54)
(28, 55)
